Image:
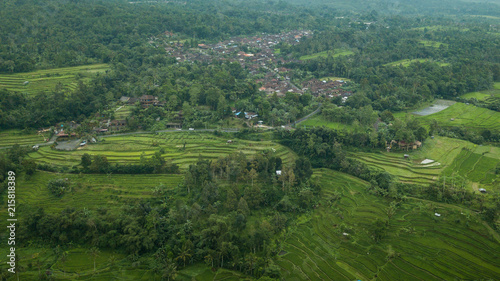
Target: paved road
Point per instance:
(69, 144)
(308, 115)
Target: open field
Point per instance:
(475, 163)
(331, 78)
(476, 95)
(433, 44)
(324, 54)
(46, 80)
(469, 116)
(417, 245)
(128, 149)
(319, 121)
(12, 137)
(439, 27)
(484, 95)
(487, 16)
(123, 112)
(407, 62)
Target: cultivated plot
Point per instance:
(337, 241)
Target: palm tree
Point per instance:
(94, 253)
(251, 260)
(64, 258)
(169, 271)
(184, 254)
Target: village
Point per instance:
(259, 55)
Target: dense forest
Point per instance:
(234, 210)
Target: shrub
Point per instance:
(58, 186)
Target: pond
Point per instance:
(439, 105)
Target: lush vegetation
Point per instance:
(66, 78)
(367, 188)
(355, 235)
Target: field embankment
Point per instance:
(336, 241)
(46, 80)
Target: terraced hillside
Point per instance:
(110, 265)
(407, 62)
(324, 54)
(12, 137)
(406, 171)
(91, 192)
(450, 156)
(336, 241)
(46, 80)
(476, 167)
(467, 115)
(128, 149)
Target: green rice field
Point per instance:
(46, 80)
(110, 265)
(433, 44)
(469, 116)
(128, 149)
(123, 112)
(407, 62)
(14, 136)
(484, 95)
(91, 191)
(332, 78)
(451, 157)
(324, 54)
(335, 242)
(319, 121)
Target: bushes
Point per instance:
(58, 186)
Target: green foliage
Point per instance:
(58, 186)
(379, 230)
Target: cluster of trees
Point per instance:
(323, 146)
(156, 164)
(207, 219)
(492, 102)
(468, 61)
(14, 159)
(461, 132)
(41, 110)
(59, 33)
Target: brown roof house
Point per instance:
(148, 100)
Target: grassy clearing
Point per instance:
(433, 44)
(407, 62)
(486, 16)
(46, 80)
(476, 95)
(469, 116)
(454, 246)
(324, 54)
(128, 149)
(319, 121)
(439, 27)
(484, 95)
(335, 78)
(123, 112)
(11, 137)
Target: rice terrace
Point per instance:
(46, 80)
(209, 140)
